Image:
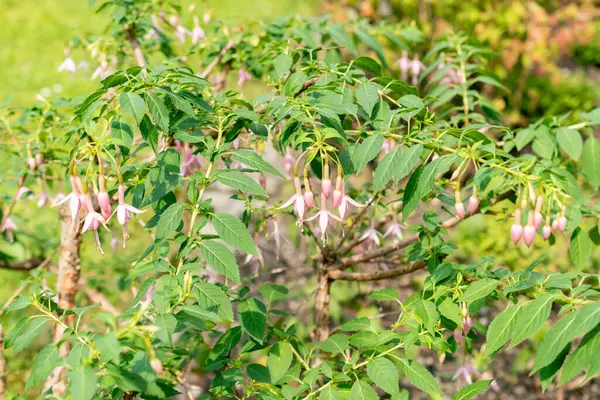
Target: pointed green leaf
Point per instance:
(555, 341)
(253, 318)
(366, 151)
(83, 383)
(169, 221)
(233, 232)
(580, 250)
(421, 378)
(367, 95)
(384, 373)
(472, 390)
(133, 104)
(279, 360)
(570, 142)
(27, 329)
(532, 317)
(336, 344)
(220, 258)
(241, 182)
(213, 298)
(590, 161)
(479, 289)
(385, 170)
(45, 361)
(251, 159)
(159, 111)
(361, 390)
(501, 329)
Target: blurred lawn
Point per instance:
(34, 34)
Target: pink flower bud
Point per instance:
(262, 179)
(529, 235)
(546, 230)
(337, 198)
(467, 323)
(473, 204)
(516, 230)
(156, 366)
(288, 162)
(31, 163)
(104, 203)
(562, 223)
(309, 199)
(537, 220)
(326, 187)
(386, 146)
(555, 225)
(458, 337)
(460, 210)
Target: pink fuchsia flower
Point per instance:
(371, 235)
(68, 65)
(465, 372)
(197, 33)
(23, 193)
(460, 210)
(8, 227)
(404, 65)
(156, 366)
(337, 193)
(74, 199)
(102, 71)
(298, 200)
(416, 66)
(537, 216)
(562, 221)
(529, 231)
(516, 230)
(104, 199)
(324, 214)
(473, 204)
(189, 161)
(395, 229)
(243, 76)
(346, 200)
(277, 237)
(386, 146)
(92, 222)
(124, 211)
(288, 161)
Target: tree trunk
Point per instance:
(321, 329)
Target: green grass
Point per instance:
(35, 34)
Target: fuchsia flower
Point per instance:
(74, 198)
(404, 65)
(460, 210)
(324, 214)
(189, 161)
(537, 216)
(101, 71)
(288, 162)
(23, 193)
(529, 231)
(298, 200)
(473, 204)
(124, 211)
(92, 221)
(197, 33)
(516, 230)
(346, 200)
(8, 226)
(395, 229)
(104, 199)
(67, 65)
(372, 235)
(277, 237)
(243, 76)
(562, 221)
(465, 372)
(416, 66)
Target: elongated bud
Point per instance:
(516, 230)
(337, 193)
(546, 230)
(562, 221)
(473, 204)
(288, 162)
(555, 225)
(458, 205)
(309, 199)
(537, 216)
(458, 337)
(531, 194)
(529, 231)
(104, 199)
(156, 366)
(326, 182)
(262, 179)
(386, 146)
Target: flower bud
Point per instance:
(31, 163)
(288, 162)
(326, 187)
(562, 223)
(555, 225)
(546, 230)
(473, 204)
(537, 216)
(467, 323)
(529, 231)
(157, 366)
(458, 337)
(262, 179)
(460, 210)
(309, 199)
(516, 230)
(337, 193)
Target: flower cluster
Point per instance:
(534, 222)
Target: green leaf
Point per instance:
(250, 115)
(479, 289)
(501, 329)
(149, 133)
(580, 250)
(166, 324)
(361, 390)
(570, 141)
(590, 161)
(472, 390)
(220, 258)
(367, 95)
(450, 310)
(366, 151)
(45, 361)
(548, 373)
(253, 318)
(213, 298)
(279, 360)
(384, 373)
(159, 111)
(83, 383)
(251, 159)
(109, 347)
(27, 329)
(169, 220)
(555, 341)
(405, 161)
(282, 63)
(272, 292)
(428, 313)
(19, 303)
(330, 393)
(162, 178)
(294, 83)
(532, 317)
(133, 104)
(356, 325)
(421, 378)
(367, 64)
(524, 137)
(335, 344)
(385, 170)
(340, 36)
(370, 41)
(585, 354)
(233, 232)
(384, 295)
(259, 373)
(420, 184)
(241, 182)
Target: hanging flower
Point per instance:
(324, 214)
(104, 199)
(395, 229)
(124, 211)
(346, 200)
(92, 222)
(404, 65)
(8, 227)
(243, 76)
(371, 235)
(298, 200)
(74, 199)
(197, 33)
(68, 65)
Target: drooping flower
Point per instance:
(277, 237)
(416, 66)
(8, 226)
(243, 76)
(92, 222)
(43, 197)
(529, 231)
(197, 33)
(516, 230)
(372, 235)
(324, 214)
(156, 366)
(460, 210)
(74, 199)
(395, 229)
(189, 161)
(346, 200)
(298, 200)
(465, 372)
(67, 65)
(337, 193)
(326, 182)
(562, 221)
(288, 161)
(537, 216)
(104, 199)
(473, 203)
(404, 65)
(123, 212)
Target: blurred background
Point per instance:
(546, 54)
